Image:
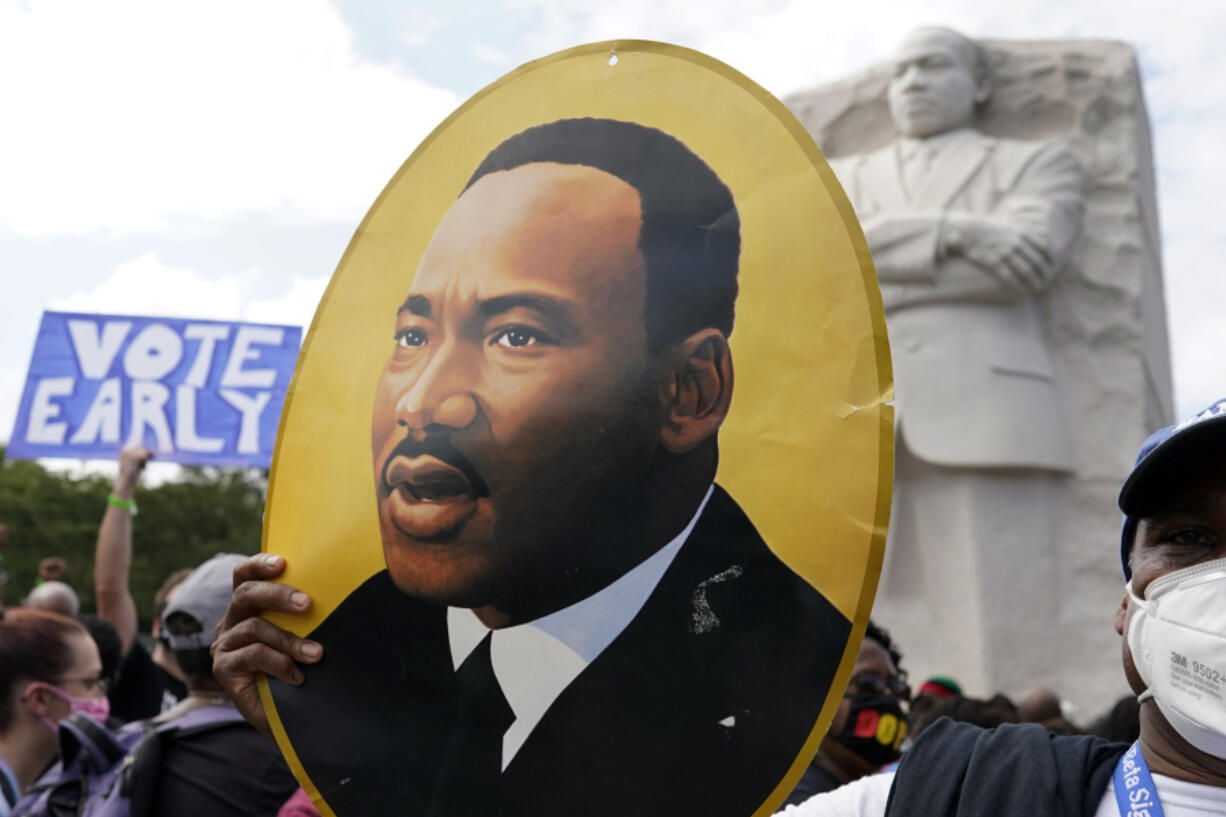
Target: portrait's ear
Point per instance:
(699, 390)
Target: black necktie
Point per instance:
(467, 784)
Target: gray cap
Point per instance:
(204, 595)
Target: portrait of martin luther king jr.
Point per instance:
(574, 618)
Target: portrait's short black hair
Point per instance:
(690, 236)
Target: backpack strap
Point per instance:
(90, 758)
(141, 769)
(6, 788)
(81, 733)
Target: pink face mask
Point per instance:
(97, 708)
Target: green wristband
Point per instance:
(126, 504)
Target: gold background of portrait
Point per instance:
(807, 448)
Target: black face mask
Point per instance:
(875, 728)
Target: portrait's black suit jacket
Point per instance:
(698, 707)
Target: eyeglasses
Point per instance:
(873, 683)
(98, 683)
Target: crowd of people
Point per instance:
(153, 694)
(880, 716)
(177, 704)
(1162, 752)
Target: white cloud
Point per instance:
(296, 307)
(125, 115)
(415, 26)
(11, 382)
(489, 55)
(147, 286)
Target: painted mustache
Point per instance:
(433, 459)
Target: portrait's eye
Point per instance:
(411, 338)
(519, 337)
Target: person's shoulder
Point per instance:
(226, 755)
(735, 569)
(370, 637)
(948, 738)
(851, 164)
(136, 656)
(724, 526)
(953, 763)
(376, 591)
(137, 694)
(375, 609)
(232, 738)
(1051, 155)
(725, 536)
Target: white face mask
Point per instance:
(1177, 637)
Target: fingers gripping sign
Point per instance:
(132, 461)
(248, 646)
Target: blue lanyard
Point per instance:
(1135, 793)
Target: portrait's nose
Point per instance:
(441, 398)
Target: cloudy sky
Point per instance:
(213, 159)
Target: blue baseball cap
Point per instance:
(1161, 451)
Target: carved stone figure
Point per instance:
(965, 229)
(971, 233)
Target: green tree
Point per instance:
(180, 524)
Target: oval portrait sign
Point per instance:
(586, 461)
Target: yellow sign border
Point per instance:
(880, 352)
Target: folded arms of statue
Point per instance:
(1001, 256)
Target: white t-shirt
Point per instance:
(1179, 799)
(867, 797)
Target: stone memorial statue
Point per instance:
(975, 235)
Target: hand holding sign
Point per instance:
(132, 461)
(247, 645)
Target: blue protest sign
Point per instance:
(196, 392)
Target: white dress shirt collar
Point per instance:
(933, 146)
(536, 660)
